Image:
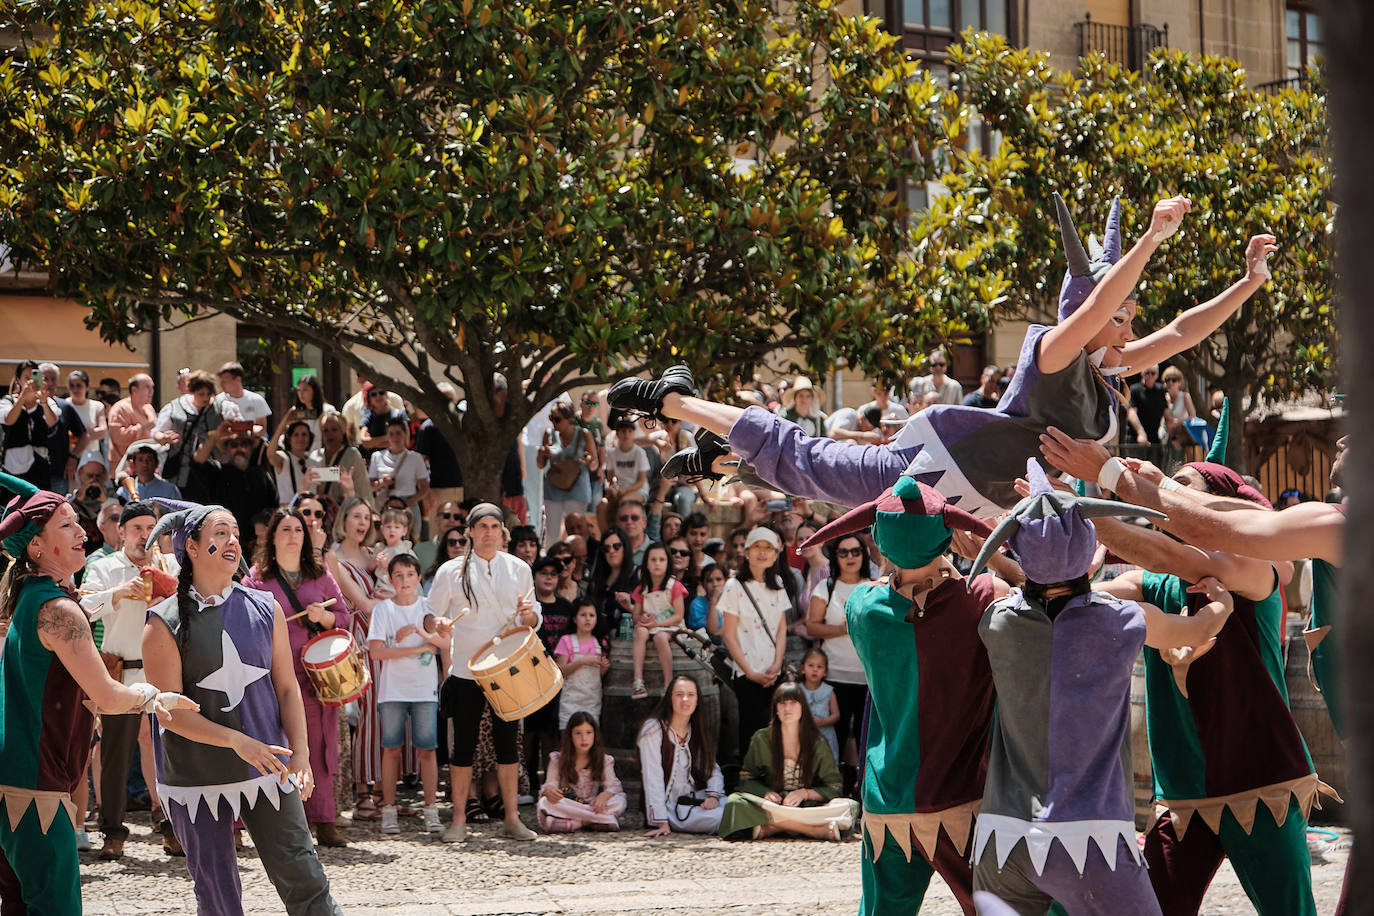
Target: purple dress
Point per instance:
(972, 455)
(321, 721)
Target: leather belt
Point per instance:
(131, 664)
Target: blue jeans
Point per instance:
(424, 723)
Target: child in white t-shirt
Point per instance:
(627, 462)
(402, 637)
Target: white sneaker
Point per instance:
(389, 819)
(432, 819)
(83, 842)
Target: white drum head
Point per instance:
(499, 651)
(328, 649)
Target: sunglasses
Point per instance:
(456, 542)
(679, 552)
(610, 546)
(312, 513)
(630, 518)
(1173, 381)
(457, 515)
(849, 553)
(564, 562)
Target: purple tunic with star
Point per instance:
(226, 667)
(972, 455)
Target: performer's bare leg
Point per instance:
(718, 418)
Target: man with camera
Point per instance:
(121, 586)
(87, 498)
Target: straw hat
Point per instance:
(802, 383)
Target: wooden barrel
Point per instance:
(1143, 773)
(621, 715)
(1309, 711)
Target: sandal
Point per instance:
(638, 693)
(474, 813)
(644, 397)
(693, 464)
(366, 810)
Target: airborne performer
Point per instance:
(1067, 376)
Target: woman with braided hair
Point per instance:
(246, 754)
(48, 664)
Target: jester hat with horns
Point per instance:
(26, 514)
(1087, 266)
(911, 523)
(1050, 533)
(182, 521)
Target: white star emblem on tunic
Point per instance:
(233, 677)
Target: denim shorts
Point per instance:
(424, 724)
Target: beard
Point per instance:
(239, 461)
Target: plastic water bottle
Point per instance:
(626, 627)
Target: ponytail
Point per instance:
(186, 605)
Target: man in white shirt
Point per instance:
(251, 406)
(950, 391)
(475, 597)
(118, 595)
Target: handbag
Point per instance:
(564, 472)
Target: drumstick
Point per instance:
(326, 603)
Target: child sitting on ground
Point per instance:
(581, 790)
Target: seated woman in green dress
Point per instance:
(789, 782)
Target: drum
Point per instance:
(516, 674)
(336, 668)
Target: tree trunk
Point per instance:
(1350, 68)
(1236, 389)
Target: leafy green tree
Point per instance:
(1251, 162)
(558, 191)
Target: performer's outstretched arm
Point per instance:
(1062, 344)
(1194, 325)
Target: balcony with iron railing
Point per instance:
(1128, 45)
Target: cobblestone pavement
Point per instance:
(590, 874)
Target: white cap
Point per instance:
(767, 535)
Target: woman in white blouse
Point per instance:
(683, 786)
(754, 609)
(846, 561)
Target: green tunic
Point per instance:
(743, 809)
(1326, 657)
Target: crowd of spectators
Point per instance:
(330, 500)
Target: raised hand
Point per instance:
(1168, 217)
(1257, 252)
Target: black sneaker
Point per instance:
(694, 462)
(644, 397)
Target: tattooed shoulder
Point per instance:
(61, 621)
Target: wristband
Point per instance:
(1110, 474)
(147, 693)
(1168, 483)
